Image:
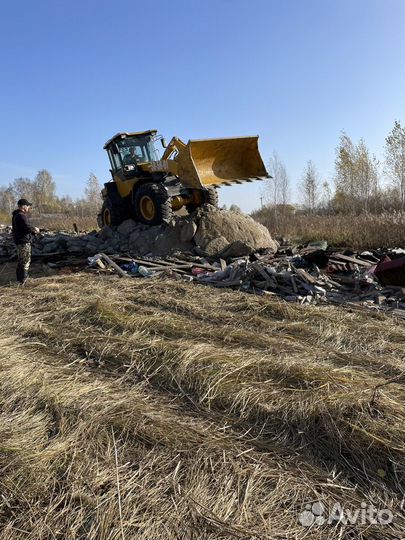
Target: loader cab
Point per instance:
(126, 151)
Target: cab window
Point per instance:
(115, 160)
(135, 150)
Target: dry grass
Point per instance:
(65, 223)
(362, 231)
(58, 222)
(157, 409)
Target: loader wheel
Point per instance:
(110, 215)
(209, 196)
(151, 204)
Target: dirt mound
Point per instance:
(222, 231)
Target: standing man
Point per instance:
(22, 234)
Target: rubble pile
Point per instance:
(7, 247)
(209, 231)
(229, 250)
(316, 276)
(309, 276)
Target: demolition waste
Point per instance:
(208, 232)
(228, 249)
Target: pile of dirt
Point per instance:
(209, 231)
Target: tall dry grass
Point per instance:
(57, 223)
(65, 223)
(362, 231)
(158, 409)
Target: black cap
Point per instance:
(23, 202)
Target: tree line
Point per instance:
(361, 184)
(41, 192)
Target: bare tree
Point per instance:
(357, 176)
(395, 159)
(326, 195)
(277, 189)
(345, 167)
(44, 190)
(92, 192)
(7, 199)
(366, 176)
(23, 188)
(310, 187)
(284, 185)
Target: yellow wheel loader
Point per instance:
(149, 188)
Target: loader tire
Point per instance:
(209, 196)
(110, 215)
(151, 204)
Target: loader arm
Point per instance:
(175, 145)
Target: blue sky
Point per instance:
(296, 72)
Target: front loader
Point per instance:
(149, 189)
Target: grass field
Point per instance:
(161, 409)
(359, 231)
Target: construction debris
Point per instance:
(352, 282)
(208, 231)
(391, 272)
(309, 274)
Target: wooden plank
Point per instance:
(143, 262)
(259, 268)
(269, 293)
(306, 276)
(114, 265)
(164, 262)
(159, 263)
(348, 259)
(198, 265)
(154, 265)
(294, 284)
(172, 267)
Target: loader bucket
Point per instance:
(216, 162)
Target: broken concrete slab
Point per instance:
(236, 249)
(188, 230)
